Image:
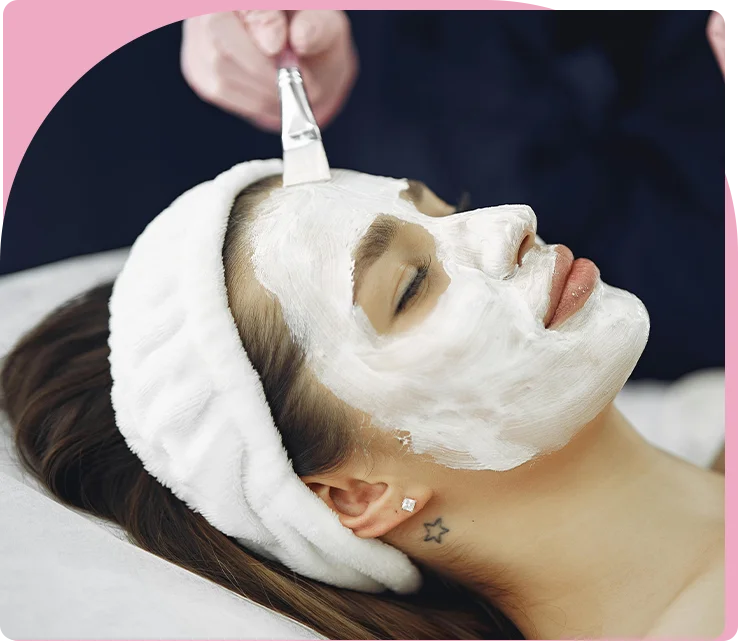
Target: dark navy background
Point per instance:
(609, 124)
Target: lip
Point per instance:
(572, 284)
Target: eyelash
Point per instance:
(414, 286)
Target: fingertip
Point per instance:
(268, 29)
(313, 31)
(302, 32)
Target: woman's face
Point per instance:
(473, 340)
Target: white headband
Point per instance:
(191, 406)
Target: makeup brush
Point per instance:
(304, 156)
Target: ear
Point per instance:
(369, 509)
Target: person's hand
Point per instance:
(716, 36)
(229, 60)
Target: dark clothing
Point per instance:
(609, 124)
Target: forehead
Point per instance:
(303, 239)
(337, 212)
(347, 192)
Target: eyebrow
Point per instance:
(372, 246)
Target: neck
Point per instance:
(593, 540)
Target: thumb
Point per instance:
(316, 31)
(267, 28)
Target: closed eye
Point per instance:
(414, 286)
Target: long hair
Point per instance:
(56, 386)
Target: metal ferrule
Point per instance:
(298, 123)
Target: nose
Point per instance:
(494, 239)
(528, 242)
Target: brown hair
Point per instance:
(56, 387)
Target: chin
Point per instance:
(620, 324)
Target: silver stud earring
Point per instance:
(408, 504)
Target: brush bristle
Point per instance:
(305, 165)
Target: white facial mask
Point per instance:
(479, 383)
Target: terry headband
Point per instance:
(191, 406)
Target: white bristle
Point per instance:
(305, 165)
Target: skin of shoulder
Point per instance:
(698, 611)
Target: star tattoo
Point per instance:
(435, 530)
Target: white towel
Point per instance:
(191, 406)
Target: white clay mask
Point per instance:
(479, 382)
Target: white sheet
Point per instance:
(64, 574)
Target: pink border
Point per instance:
(49, 45)
(731, 407)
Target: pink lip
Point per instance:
(572, 284)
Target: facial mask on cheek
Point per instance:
(479, 383)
